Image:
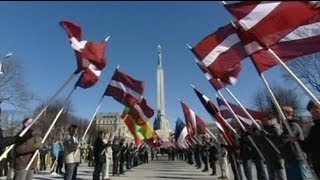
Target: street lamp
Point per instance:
(7, 56)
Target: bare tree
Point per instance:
(11, 121)
(60, 129)
(307, 69)
(13, 89)
(285, 97)
(47, 118)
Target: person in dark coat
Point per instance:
(116, 148)
(121, 156)
(213, 157)
(4, 142)
(310, 143)
(204, 155)
(24, 149)
(197, 156)
(99, 156)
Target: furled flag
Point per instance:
(125, 89)
(214, 112)
(269, 21)
(86, 52)
(221, 53)
(227, 114)
(180, 132)
(195, 125)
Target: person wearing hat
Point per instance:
(310, 143)
(24, 149)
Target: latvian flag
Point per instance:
(227, 114)
(125, 89)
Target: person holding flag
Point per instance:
(72, 154)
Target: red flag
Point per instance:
(94, 52)
(195, 125)
(215, 83)
(89, 77)
(302, 41)
(227, 114)
(125, 89)
(201, 126)
(272, 20)
(221, 53)
(214, 112)
(72, 29)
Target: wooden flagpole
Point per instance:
(92, 118)
(279, 61)
(252, 119)
(285, 122)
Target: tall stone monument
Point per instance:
(161, 123)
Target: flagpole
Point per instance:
(114, 134)
(285, 122)
(249, 115)
(42, 111)
(211, 134)
(92, 118)
(243, 108)
(4, 154)
(242, 126)
(51, 126)
(279, 61)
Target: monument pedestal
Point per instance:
(165, 137)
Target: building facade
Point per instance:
(109, 121)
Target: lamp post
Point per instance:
(7, 56)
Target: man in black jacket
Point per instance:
(310, 144)
(99, 155)
(116, 148)
(4, 142)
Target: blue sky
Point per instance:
(31, 31)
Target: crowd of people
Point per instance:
(276, 153)
(63, 157)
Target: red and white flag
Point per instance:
(195, 125)
(302, 41)
(217, 85)
(227, 114)
(269, 21)
(89, 77)
(125, 89)
(226, 131)
(221, 53)
(86, 52)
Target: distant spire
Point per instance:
(160, 56)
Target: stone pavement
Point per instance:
(161, 169)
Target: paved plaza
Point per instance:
(161, 169)
(154, 170)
